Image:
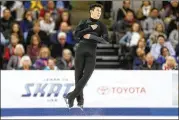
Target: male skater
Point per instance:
(88, 33)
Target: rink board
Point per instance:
(108, 93)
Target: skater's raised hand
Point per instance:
(86, 36)
(94, 26)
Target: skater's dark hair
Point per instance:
(92, 6)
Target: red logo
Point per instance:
(103, 90)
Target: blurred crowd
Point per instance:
(38, 35)
(148, 36)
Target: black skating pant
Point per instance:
(85, 60)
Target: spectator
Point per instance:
(3, 40)
(9, 50)
(36, 30)
(150, 23)
(150, 64)
(171, 10)
(64, 28)
(164, 53)
(64, 17)
(170, 64)
(67, 61)
(47, 24)
(173, 37)
(63, 5)
(18, 10)
(60, 45)
(155, 49)
(177, 50)
(142, 45)
(124, 25)
(51, 9)
(123, 11)
(140, 59)
(1, 56)
(159, 30)
(51, 65)
(60, 6)
(26, 63)
(2, 8)
(131, 38)
(34, 48)
(44, 55)
(172, 26)
(6, 21)
(15, 29)
(35, 6)
(27, 23)
(14, 61)
(144, 10)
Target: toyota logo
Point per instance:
(103, 90)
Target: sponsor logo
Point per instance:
(46, 89)
(104, 90)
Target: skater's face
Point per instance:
(96, 13)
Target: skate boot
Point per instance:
(68, 102)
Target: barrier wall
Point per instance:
(108, 92)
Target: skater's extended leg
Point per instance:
(90, 61)
(79, 67)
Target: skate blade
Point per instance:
(81, 108)
(66, 101)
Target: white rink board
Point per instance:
(106, 88)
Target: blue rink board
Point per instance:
(89, 112)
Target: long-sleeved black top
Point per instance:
(99, 35)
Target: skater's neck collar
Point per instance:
(93, 20)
